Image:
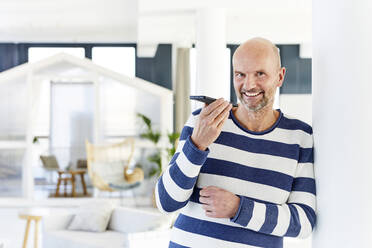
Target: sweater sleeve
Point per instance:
(295, 218)
(175, 186)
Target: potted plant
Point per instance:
(154, 136)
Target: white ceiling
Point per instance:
(150, 21)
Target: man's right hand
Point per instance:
(209, 124)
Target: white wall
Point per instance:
(342, 122)
(297, 105)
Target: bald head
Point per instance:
(257, 74)
(259, 47)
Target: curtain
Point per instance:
(182, 88)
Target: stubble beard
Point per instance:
(260, 105)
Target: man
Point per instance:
(243, 176)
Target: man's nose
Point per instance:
(250, 82)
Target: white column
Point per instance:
(27, 172)
(212, 77)
(342, 122)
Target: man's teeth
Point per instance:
(252, 94)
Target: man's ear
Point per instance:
(281, 76)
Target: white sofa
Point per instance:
(127, 228)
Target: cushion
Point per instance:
(140, 220)
(93, 217)
(110, 172)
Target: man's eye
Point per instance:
(260, 73)
(238, 75)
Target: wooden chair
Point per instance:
(51, 165)
(108, 166)
(81, 164)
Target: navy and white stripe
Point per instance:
(272, 172)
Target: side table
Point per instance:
(69, 176)
(31, 215)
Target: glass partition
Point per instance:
(13, 110)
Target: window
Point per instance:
(39, 53)
(119, 59)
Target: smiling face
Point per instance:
(257, 74)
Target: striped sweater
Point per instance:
(271, 171)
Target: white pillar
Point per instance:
(212, 77)
(342, 122)
(27, 172)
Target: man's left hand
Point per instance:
(219, 203)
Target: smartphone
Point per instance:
(208, 100)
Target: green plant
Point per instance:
(149, 134)
(155, 158)
(154, 137)
(172, 138)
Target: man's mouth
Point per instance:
(252, 94)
